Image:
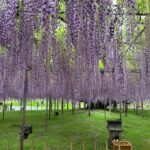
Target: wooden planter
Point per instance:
(121, 145)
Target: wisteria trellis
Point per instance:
(94, 33)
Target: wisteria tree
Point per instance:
(53, 49)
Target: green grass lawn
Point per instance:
(77, 128)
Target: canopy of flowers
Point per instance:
(76, 49)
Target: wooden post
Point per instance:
(44, 146)
(106, 145)
(7, 146)
(119, 147)
(58, 147)
(95, 145)
(71, 147)
(32, 145)
(83, 146)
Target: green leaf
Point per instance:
(101, 65)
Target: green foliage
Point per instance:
(143, 6)
(62, 8)
(61, 34)
(101, 65)
(2, 50)
(130, 62)
(48, 60)
(38, 34)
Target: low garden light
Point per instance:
(114, 129)
(27, 131)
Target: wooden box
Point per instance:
(121, 145)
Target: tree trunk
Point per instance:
(72, 107)
(54, 107)
(137, 105)
(84, 105)
(120, 111)
(109, 105)
(126, 108)
(37, 105)
(31, 104)
(142, 108)
(62, 106)
(3, 118)
(11, 106)
(67, 104)
(57, 105)
(51, 105)
(46, 115)
(89, 108)
(49, 108)
(134, 103)
(79, 105)
(104, 110)
(24, 109)
(123, 106)
(21, 102)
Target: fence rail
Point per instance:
(57, 147)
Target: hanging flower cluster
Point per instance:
(90, 64)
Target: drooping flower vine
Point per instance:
(95, 34)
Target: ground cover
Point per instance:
(77, 128)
